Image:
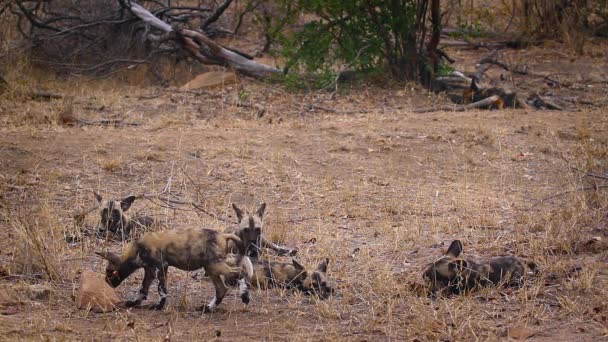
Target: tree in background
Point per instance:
(367, 35)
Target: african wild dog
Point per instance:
(112, 219)
(456, 275)
(185, 249)
(269, 274)
(249, 229)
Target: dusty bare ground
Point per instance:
(377, 189)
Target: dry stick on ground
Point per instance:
(337, 111)
(199, 193)
(597, 187)
(34, 94)
(590, 174)
(487, 102)
(69, 119)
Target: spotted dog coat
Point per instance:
(249, 229)
(113, 220)
(455, 275)
(184, 249)
(269, 274)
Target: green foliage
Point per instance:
(444, 69)
(470, 30)
(356, 35)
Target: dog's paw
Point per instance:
(245, 298)
(157, 307)
(132, 303)
(204, 309)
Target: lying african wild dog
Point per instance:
(188, 250)
(249, 229)
(456, 275)
(269, 274)
(112, 219)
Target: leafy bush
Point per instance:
(364, 35)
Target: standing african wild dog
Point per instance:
(268, 274)
(112, 219)
(185, 249)
(249, 229)
(456, 275)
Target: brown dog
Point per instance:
(249, 230)
(188, 250)
(113, 219)
(292, 275)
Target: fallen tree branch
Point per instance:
(204, 49)
(487, 102)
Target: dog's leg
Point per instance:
(244, 291)
(145, 286)
(220, 292)
(161, 273)
(279, 249)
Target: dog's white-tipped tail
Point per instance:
(247, 266)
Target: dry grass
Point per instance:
(381, 194)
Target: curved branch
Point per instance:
(216, 14)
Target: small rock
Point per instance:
(95, 293)
(39, 292)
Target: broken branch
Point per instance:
(487, 102)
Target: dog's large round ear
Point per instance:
(323, 266)
(239, 212)
(455, 249)
(261, 210)
(111, 257)
(98, 197)
(297, 265)
(126, 202)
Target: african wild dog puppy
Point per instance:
(112, 219)
(185, 249)
(249, 229)
(456, 275)
(269, 274)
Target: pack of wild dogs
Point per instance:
(232, 258)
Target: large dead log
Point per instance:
(204, 49)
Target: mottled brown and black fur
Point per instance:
(185, 249)
(455, 275)
(114, 221)
(269, 274)
(249, 229)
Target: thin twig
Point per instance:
(565, 193)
